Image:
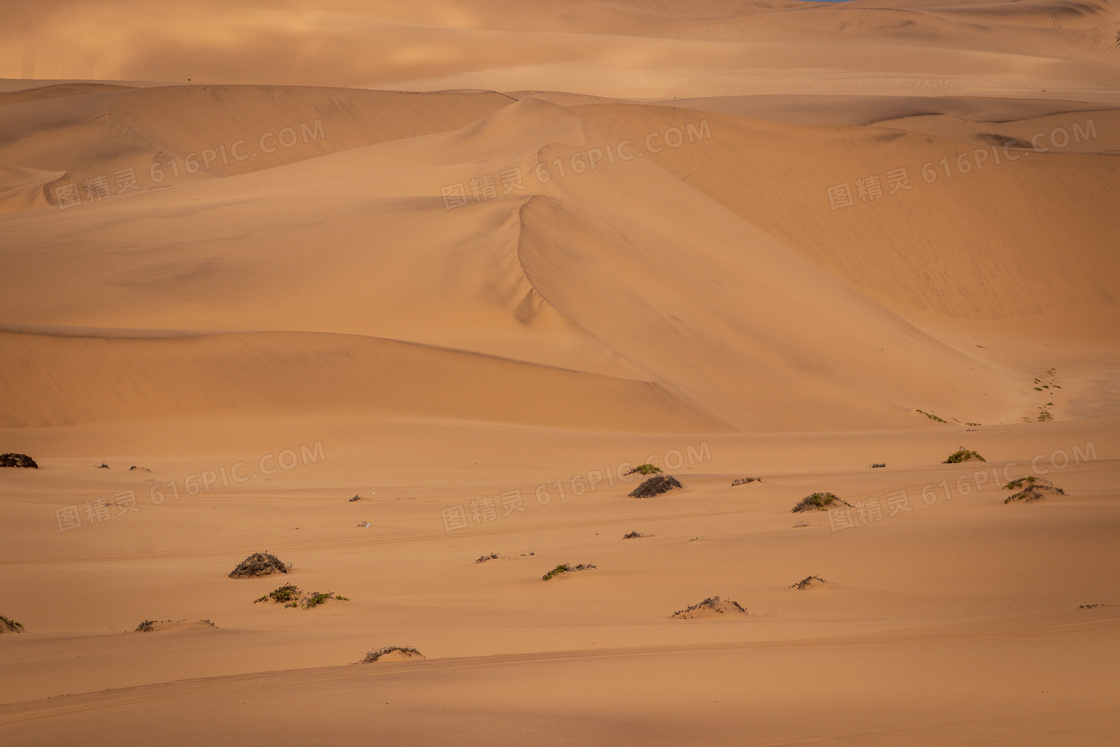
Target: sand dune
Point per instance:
(650, 49)
(385, 288)
(667, 250)
(1041, 255)
(64, 380)
(102, 131)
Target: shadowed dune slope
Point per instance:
(169, 136)
(48, 380)
(1030, 240)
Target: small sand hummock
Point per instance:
(710, 607)
(656, 486)
(745, 480)
(258, 564)
(392, 653)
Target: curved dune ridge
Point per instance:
(725, 279)
(25, 189)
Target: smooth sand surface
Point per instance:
(471, 265)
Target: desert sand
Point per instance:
(400, 292)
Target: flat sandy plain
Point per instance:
(471, 264)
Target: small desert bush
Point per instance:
(8, 625)
(18, 461)
(806, 582)
(645, 469)
(1031, 489)
(817, 502)
(319, 597)
(566, 568)
(287, 595)
(713, 604)
(963, 455)
(656, 486)
(406, 651)
(258, 564)
(290, 595)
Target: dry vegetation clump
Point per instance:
(258, 564)
(319, 597)
(149, 626)
(709, 607)
(287, 595)
(18, 461)
(632, 535)
(401, 652)
(963, 455)
(566, 568)
(818, 502)
(806, 582)
(745, 480)
(8, 625)
(290, 595)
(484, 558)
(656, 486)
(1031, 488)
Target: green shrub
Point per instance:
(645, 469)
(566, 568)
(288, 595)
(318, 597)
(963, 455)
(818, 502)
